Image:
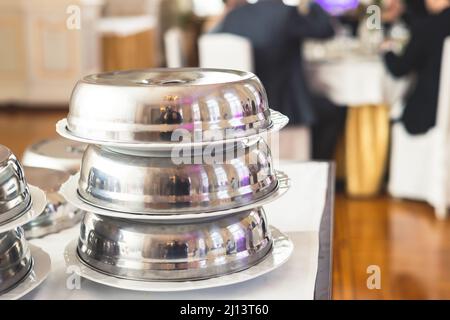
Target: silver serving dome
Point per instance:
(185, 250)
(166, 105)
(14, 194)
(15, 258)
(56, 153)
(156, 184)
(58, 214)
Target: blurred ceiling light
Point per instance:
(252, 1)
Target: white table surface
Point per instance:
(126, 25)
(298, 214)
(350, 77)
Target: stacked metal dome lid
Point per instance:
(55, 153)
(174, 179)
(160, 108)
(48, 164)
(22, 266)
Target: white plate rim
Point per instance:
(279, 121)
(39, 202)
(69, 190)
(40, 271)
(280, 253)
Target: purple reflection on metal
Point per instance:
(241, 242)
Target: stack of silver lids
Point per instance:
(174, 179)
(49, 163)
(22, 265)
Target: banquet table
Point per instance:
(361, 82)
(305, 213)
(128, 42)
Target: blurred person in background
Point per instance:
(409, 11)
(277, 32)
(179, 14)
(422, 57)
(415, 10)
(213, 24)
(392, 10)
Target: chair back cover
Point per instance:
(226, 51)
(173, 45)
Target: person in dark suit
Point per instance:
(415, 10)
(423, 56)
(276, 32)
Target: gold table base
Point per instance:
(366, 149)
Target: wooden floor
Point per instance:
(403, 238)
(21, 127)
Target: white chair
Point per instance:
(226, 51)
(229, 51)
(420, 166)
(294, 144)
(173, 46)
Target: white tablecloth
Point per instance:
(298, 213)
(341, 70)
